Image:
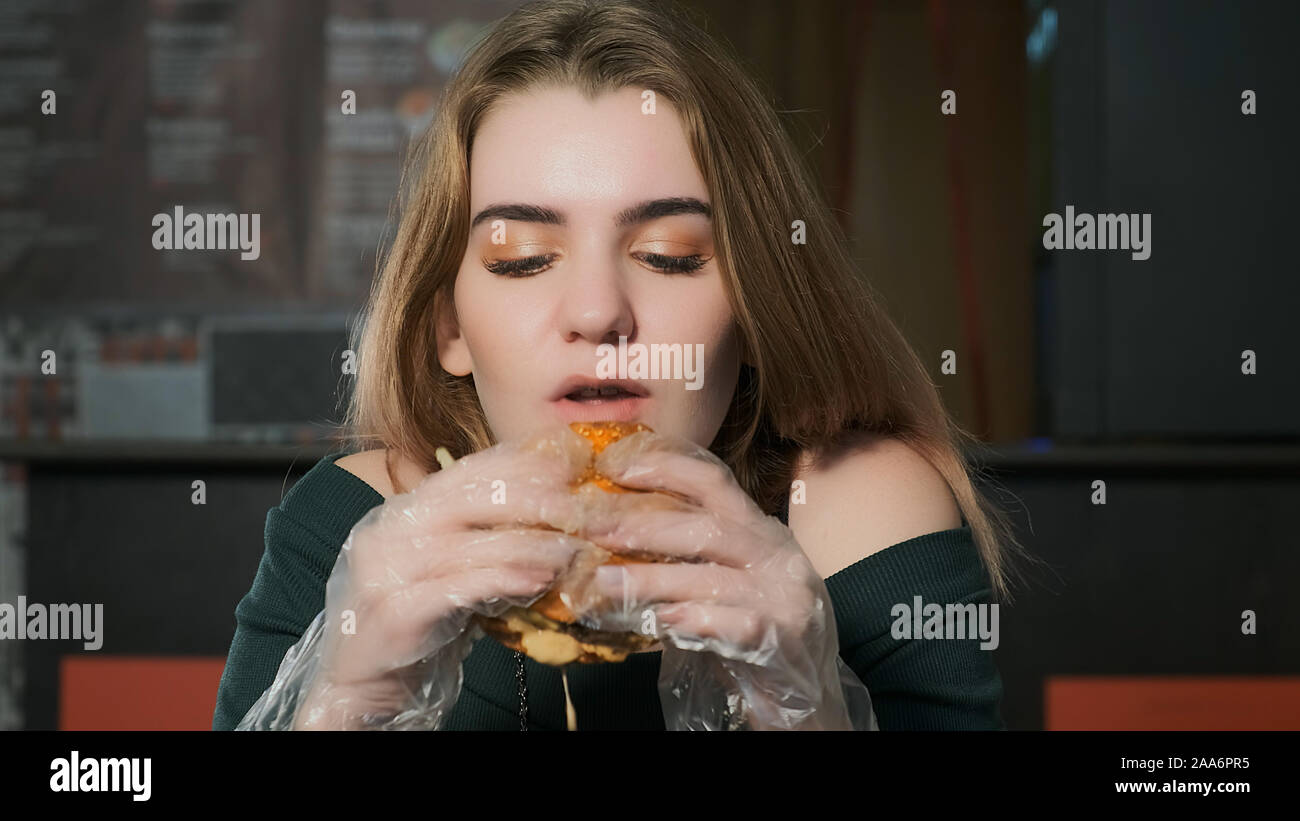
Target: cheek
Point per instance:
(717, 327)
(494, 344)
(506, 356)
(706, 318)
(722, 368)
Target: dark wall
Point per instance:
(1153, 582)
(1147, 119)
(168, 572)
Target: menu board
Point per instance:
(393, 68)
(165, 155)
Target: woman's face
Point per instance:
(590, 224)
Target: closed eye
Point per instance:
(673, 265)
(531, 266)
(523, 267)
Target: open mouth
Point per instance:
(581, 398)
(605, 393)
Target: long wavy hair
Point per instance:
(827, 363)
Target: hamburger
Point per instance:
(548, 630)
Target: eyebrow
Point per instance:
(641, 212)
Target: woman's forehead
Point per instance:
(553, 146)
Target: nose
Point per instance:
(595, 305)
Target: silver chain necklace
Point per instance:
(521, 676)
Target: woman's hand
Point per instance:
(740, 589)
(477, 537)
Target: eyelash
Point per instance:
(525, 266)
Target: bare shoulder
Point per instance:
(370, 466)
(873, 492)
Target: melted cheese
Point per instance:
(550, 647)
(569, 714)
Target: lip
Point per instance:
(622, 409)
(576, 381)
(627, 409)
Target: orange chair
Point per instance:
(138, 692)
(1172, 703)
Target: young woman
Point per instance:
(601, 172)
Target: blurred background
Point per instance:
(128, 373)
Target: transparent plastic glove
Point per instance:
(747, 625)
(477, 537)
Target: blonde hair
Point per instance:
(826, 360)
